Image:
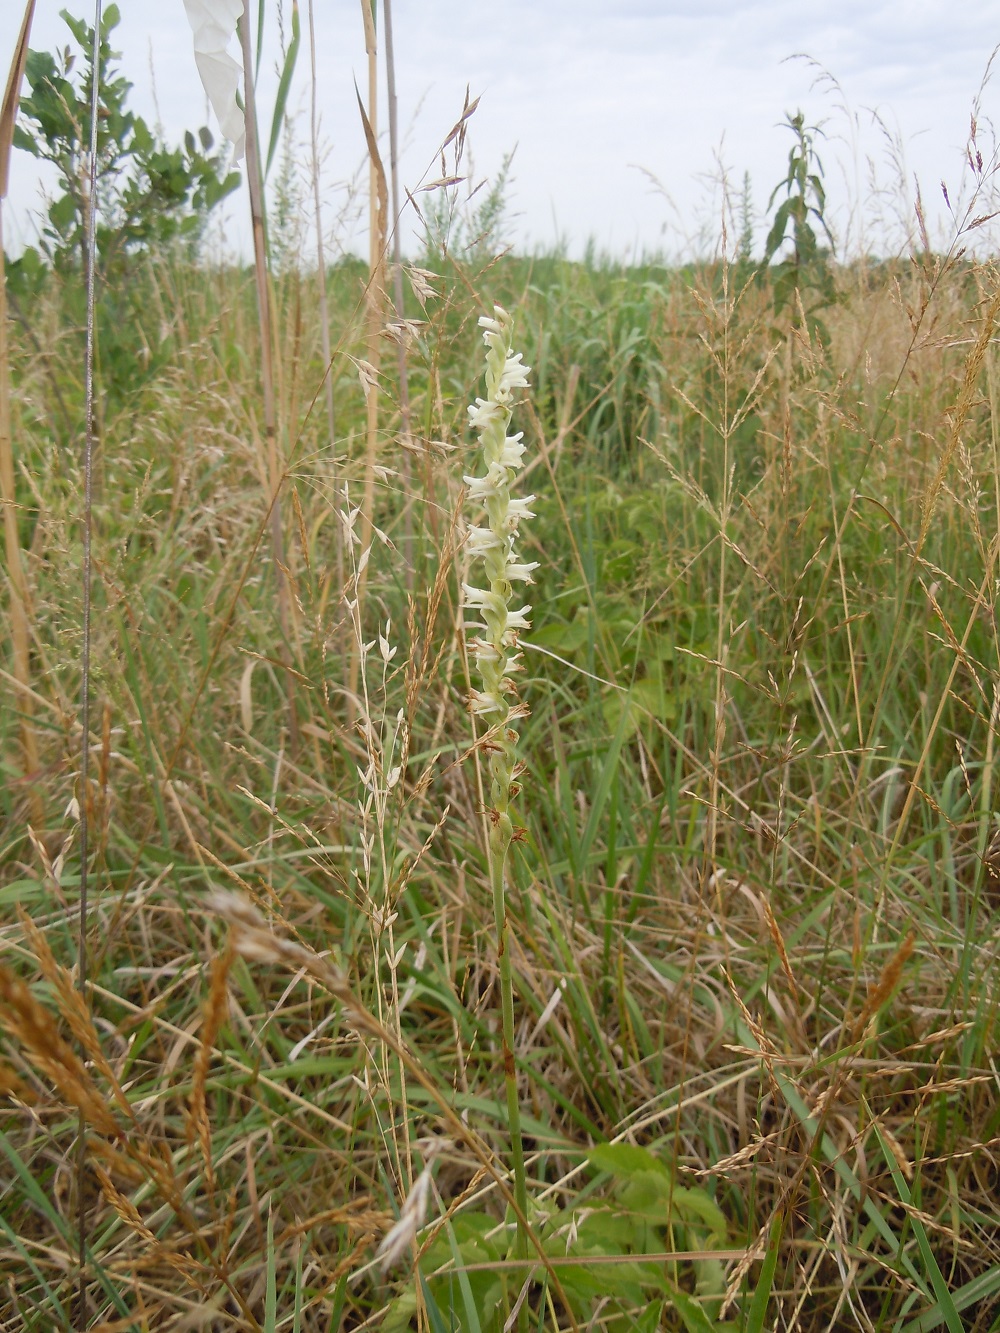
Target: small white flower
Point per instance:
(482, 414)
(475, 598)
(482, 540)
(497, 479)
(486, 653)
(513, 450)
(519, 619)
(490, 602)
(514, 376)
(482, 704)
(492, 324)
(521, 573)
(480, 488)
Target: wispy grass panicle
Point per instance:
(497, 658)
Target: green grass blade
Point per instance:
(762, 1294)
(945, 1302)
(297, 1307)
(34, 1192)
(271, 1279)
(259, 53)
(605, 782)
(339, 1300)
(981, 1288)
(284, 84)
(15, 1242)
(433, 1309)
(471, 1313)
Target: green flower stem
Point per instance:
(496, 652)
(500, 838)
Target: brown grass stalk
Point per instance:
(17, 582)
(324, 315)
(406, 468)
(378, 204)
(90, 435)
(274, 469)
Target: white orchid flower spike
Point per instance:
(213, 23)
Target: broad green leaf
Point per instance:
(694, 1317)
(623, 1160)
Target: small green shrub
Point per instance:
(148, 193)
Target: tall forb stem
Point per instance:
(495, 648)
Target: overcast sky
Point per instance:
(623, 113)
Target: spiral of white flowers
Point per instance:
(495, 643)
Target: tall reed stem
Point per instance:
(274, 466)
(20, 598)
(377, 211)
(324, 314)
(406, 433)
(90, 278)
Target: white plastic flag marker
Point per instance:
(213, 23)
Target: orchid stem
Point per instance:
(495, 648)
(499, 844)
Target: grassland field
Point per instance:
(752, 899)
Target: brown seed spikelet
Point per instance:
(73, 1009)
(779, 944)
(884, 987)
(130, 1215)
(33, 1026)
(216, 1008)
(11, 1085)
(124, 1207)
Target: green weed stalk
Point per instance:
(497, 658)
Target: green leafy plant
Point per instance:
(151, 198)
(800, 219)
(610, 1249)
(149, 193)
